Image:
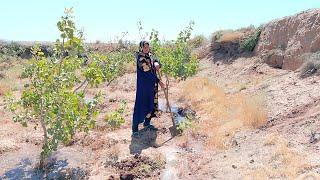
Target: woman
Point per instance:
(146, 104)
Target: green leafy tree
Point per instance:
(54, 96)
(175, 57)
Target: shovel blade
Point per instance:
(174, 131)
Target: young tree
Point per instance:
(175, 57)
(54, 97)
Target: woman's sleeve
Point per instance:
(156, 61)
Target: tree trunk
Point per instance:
(45, 136)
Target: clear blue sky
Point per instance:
(35, 20)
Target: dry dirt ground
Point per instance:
(285, 147)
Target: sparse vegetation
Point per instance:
(311, 66)
(218, 34)
(10, 79)
(184, 125)
(230, 36)
(12, 49)
(197, 41)
(249, 43)
(224, 114)
(115, 119)
(284, 163)
(22, 51)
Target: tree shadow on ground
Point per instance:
(54, 170)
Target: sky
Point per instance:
(105, 21)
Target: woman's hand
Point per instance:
(162, 85)
(157, 66)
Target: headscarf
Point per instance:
(141, 44)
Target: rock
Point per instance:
(112, 100)
(234, 143)
(289, 37)
(234, 166)
(186, 112)
(111, 177)
(314, 138)
(126, 176)
(251, 161)
(215, 46)
(274, 58)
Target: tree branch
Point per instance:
(83, 82)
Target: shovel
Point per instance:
(173, 129)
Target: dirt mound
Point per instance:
(138, 167)
(283, 41)
(225, 45)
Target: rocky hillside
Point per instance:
(283, 41)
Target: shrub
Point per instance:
(311, 66)
(115, 119)
(249, 43)
(197, 41)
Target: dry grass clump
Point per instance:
(284, 163)
(222, 115)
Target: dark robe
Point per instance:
(146, 104)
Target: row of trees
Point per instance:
(55, 96)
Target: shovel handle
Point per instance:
(167, 99)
